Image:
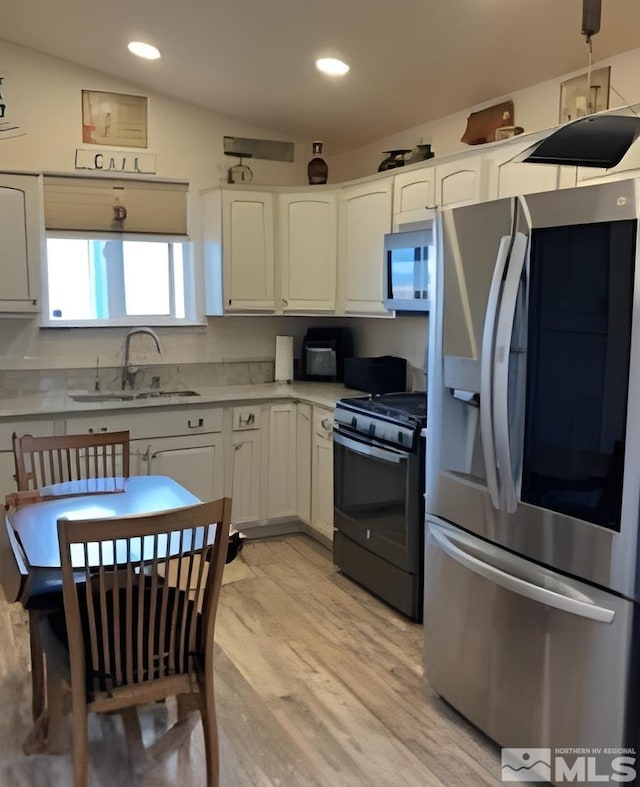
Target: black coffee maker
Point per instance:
(323, 354)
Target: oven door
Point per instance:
(378, 498)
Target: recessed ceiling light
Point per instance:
(144, 50)
(332, 66)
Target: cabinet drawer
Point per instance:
(34, 426)
(159, 423)
(244, 418)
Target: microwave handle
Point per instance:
(486, 371)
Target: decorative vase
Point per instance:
(395, 158)
(317, 169)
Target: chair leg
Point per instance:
(80, 741)
(210, 732)
(37, 666)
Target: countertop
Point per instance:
(61, 402)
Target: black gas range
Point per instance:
(379, 455)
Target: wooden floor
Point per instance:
(318, 683)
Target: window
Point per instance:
(118, 280)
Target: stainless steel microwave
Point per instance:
(408, 262)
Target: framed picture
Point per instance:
(114, 119)
(578, 100)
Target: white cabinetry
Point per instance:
(303, 461)
(21, 231)
(629, 166)
(196, 463)
(461, 181)
(413, 196)
(247, 251)
(184, 443)
(308, 248)
(364, 218)
(281, 463)
(508, 177)
(245, 465)
(322, 473)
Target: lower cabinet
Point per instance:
(274, 459)
(304, 424)
(280, 494)
(322, 473)
(245, 464)
(245, 477)
(196, 463)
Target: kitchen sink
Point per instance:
(127, 396)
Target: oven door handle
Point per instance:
(368, 449)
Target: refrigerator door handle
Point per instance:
(486, 371)
(504, 334)
(522, 587)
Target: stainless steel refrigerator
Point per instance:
(532, 577)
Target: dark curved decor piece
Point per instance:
(588, 142)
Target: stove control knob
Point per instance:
(372, 429)
(401, 437)
(354, 422)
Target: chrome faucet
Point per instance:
(128, 373)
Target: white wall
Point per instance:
(536, 108)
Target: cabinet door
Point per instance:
(245, 477)
(508, 177)
(308, 250)
(628, 167)
(413, 196)
(461, 182)
(247, 251)
(322, 474)
(281, 466)
(364, 219)
(198, 468)
(303, 462)
(21, 234)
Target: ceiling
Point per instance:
(411, 60)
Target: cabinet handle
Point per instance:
(196, 424)
(327, 424)
(102, 429)
(250, 419)
(285, 302)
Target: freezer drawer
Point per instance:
(534, 659)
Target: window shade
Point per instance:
(112, 205)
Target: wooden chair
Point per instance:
(131, 635)
(41, 461)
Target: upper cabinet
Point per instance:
(508, 176)
(364, 219)
(413, 196)
(307, 250)
(247, 251)
(22, 234)
(461, 181)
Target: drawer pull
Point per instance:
(102, 429)
(327, 424)
(195, 424)
(250, 419)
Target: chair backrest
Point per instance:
(129, 622)
(41, 461)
